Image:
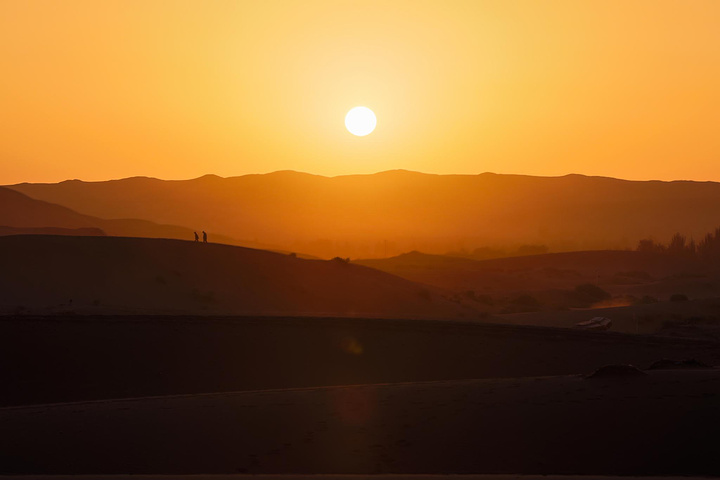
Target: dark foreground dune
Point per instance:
(400, 476)
(664, 422)
(59, 359)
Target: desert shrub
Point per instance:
(678, 244)
(525, 301)
(686, 275)
(648, 318)
(591, 293)
(424, 294)
(482, 253)
(616, 371)
(524, 250)
(650, 246)
(635, 274)
(678, 297)
(552, 272)
(520, 304)
(203, 297)
(486, 299)
(648, 299)
(585, 295)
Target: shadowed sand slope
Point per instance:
(133, 275)
(665, 422)
(57, 359)
(399, 476)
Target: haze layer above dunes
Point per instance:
(396, 211)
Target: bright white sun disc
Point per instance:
(360, 121)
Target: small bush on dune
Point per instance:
(636, 274)
(525, 301)
(678, 297)
(425, 294)
(586, 295)
(589, 293)
(616, 372)
(648, 318)
(524, 250)
(631, 278)
(522, 304)
(485, 299)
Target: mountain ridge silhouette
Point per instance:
(395, 211)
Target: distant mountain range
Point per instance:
(20, 214)
(396, 211)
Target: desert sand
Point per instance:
(117, 275)
(343, 477)
(660, 422)
(59, 359)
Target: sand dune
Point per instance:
(535, 272)
(56, 359)
(664, 422)
(45, 274)
(241, 476)
(635, 288)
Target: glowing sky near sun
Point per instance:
(99, 90)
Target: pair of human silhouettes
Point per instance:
(197, 238)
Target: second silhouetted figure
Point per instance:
(204, 237)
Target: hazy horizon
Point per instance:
(379, 172)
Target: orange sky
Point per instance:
(108, 89)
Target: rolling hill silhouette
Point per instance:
(20, 214)
(532, 272)
(56, 274)
(396, 211)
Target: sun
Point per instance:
(360, 121)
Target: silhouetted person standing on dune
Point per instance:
(204, 237)
(197, 239)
